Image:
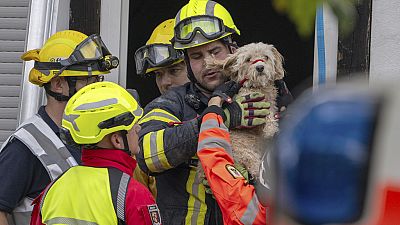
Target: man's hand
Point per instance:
(3, 218)
(247, 111)
(226, 91)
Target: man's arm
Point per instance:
(230, 188)
(165, 140)
(3, 218)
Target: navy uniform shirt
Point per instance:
(21, 173)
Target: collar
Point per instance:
(43, 114)
(196, 91)
(102, 158)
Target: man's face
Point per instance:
(171, 76)
(133, 139)
(81, 81)
(86, 80)
(207, 78)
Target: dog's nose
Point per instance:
(260, 68)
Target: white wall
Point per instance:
(114, 32)
(46, 17)
(385, 40)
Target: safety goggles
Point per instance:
(90, 49)
(155, 55)
(91, 52)
(210, 27)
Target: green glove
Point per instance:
(247, 111)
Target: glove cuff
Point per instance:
(214, 109)
(235, 116)
(211, 109)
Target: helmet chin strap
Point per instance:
(125, 141)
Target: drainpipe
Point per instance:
(325, 47)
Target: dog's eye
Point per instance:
(266, 57)
(248, 59)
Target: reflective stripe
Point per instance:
(53, 160)
(153, 151)
(178, 17)
(211, 123)
(69, 221)
(99, 104)
(48, 148)
(123, 186)
(71, 118)
(160, 115)
(251, 211)
(138, 112)
(212, 142)
(197, 207)
(210, 8)
(25, 205)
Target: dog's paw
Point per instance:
(270, 129)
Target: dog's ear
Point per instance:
(278, 64)
(214, 64)
(229, 61)
(231, 65)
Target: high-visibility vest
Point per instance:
(86, 195)
(37, 135)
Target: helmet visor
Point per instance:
(210, 27)
(155, 55)
(92, 48)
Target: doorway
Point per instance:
(257, 22)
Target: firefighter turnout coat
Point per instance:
(168, 142)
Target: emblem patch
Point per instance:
(233, 171)
(154, 214)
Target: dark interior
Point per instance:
(257, 21)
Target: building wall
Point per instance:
(385, 40)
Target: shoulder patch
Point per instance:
(233, 171)
(154, 214)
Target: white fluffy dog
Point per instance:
(259, 65)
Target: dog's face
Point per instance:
(260, 63)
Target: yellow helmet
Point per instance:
(97, 110)
(200, 22)
(163, 33)
(55, 57)
(158, 51)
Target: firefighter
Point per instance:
(158, 58)
(103, 118)
(34, 155)
(234, 194)
(170, 125)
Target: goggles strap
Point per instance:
(94, 66)
(60, 71)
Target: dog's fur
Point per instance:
(240, 65)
